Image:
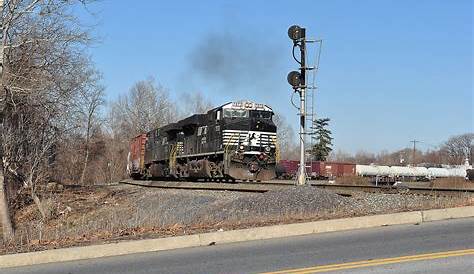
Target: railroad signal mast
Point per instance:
(297, 79)
(305, 88)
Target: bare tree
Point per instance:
(285, 136)
(364, 157)
(146, 106)
(341, 156)
(459, 148)
(91, 98)
(194, 103)
(42, 48)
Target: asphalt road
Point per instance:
(437, 247)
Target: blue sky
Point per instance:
(390, 71)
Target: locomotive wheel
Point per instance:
(183, 171)
(205, 168)
(216, 169)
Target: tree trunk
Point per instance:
(84, 168)
(5, 213)
(38, 203)
(86, 156)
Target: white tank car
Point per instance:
(438, 172)
(407, 171)
(366, 170)
(457, 172)
(385, 171)
(402, 171)
(421, 171)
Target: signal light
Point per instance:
(294, 78)
(296, 32)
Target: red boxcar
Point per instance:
(334, 169)
(136, 157)
(316, 169)
(287, 168)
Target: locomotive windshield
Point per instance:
(261, 114)
(236, 113)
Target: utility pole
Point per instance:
(414, 151)
(298, 81)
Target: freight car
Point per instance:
(317, 169)
(405, 173)
(236, 141)
(287, 169)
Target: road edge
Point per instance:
(232, 236)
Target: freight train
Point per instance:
(236, 141)
(329, 170)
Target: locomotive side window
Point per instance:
(218, 115)
(202, 130)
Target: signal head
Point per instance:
(296, 32)
(294, 78)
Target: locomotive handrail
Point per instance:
(173, 153)
(226, 149)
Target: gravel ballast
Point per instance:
(91, 215)
(167, 207)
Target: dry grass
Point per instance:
(353, 181)
(452, 183)
(95, 215)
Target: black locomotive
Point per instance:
(236, 141)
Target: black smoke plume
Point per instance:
(234, 62)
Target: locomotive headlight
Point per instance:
(241, 147)
(267, 149)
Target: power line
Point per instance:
(414, 151)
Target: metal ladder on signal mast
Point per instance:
(311, 89)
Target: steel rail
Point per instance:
(199, 186)
(261, 187)
(432, 191)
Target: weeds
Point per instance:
(101, 216)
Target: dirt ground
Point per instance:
(92, 215)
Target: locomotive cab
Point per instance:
(249, 140)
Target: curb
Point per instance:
(232, 236)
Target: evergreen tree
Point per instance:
(323, 139)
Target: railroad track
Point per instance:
(262, 187)
(401, 190)
(258, 188)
